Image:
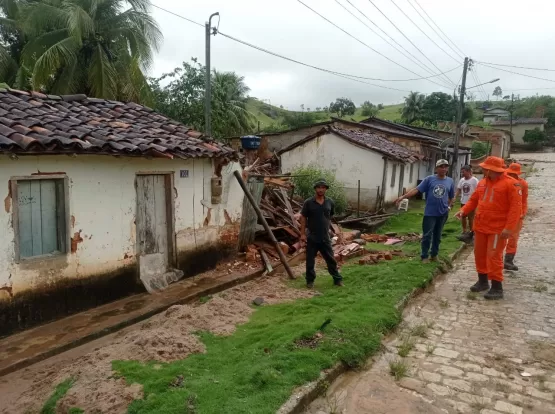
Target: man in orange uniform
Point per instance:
(498, 205)
(514, 171)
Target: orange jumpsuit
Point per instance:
(498, 206)
(513, 241)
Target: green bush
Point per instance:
(305, 178)
(479, 149)
(535, 137)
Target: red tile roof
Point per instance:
(366, 140)
(34, 123)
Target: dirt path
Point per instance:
(466, 355)
(164, 337)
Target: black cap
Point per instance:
(321, 183)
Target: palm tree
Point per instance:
(414, 106)
(11, 43)
(229, 104)
(96, 47)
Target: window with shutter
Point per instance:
(41, 217)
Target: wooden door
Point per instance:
(401, 179)
(153, 223)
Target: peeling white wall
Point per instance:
(349, 162)
(103, 202)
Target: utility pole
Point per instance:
(456, 169)
(208, 83)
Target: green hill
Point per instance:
(269, 115)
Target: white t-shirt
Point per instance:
(467, 187)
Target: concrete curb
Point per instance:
(307, 393)
(128, 322)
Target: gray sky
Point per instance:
(489, 31)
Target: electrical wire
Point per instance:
(361, 42)
(449, 81)
(517, 67)
(432, 20)
(345, 75)
(435, 31)
(479, 82)
(177, 15)
(412, 58)
(517, 73)
(327, 70)
(423, 32)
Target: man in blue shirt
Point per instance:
(440, 195)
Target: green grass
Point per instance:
(256, 369)
(389, 113)
(61, 390)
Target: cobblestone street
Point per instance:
(464, 354)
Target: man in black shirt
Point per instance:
(318, 211)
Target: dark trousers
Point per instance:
(312, 249)
(432, 227)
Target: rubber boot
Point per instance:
(496, 291)
(509, 262)
(482, 283)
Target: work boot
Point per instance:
(496, 291)
(434, 259)
(466, 237)
(482, 283)
(509, 262)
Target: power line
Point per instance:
(410, 41)
(345, 75)
(423, 32)
(475, 70)
(517, 73)
(177, 15)
(432, 20)
(518, 67)
(413, 58)
(528, 89)
(435, 31)
(327, 70)
(360, 41)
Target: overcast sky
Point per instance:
(488, 31)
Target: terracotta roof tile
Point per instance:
(50, 124)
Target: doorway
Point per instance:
(155, 230)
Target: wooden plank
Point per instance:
(249, 219)
(36, 224)
(48, 205)
(24, 218)
(160, 221)
(289, 208)
(266, 260)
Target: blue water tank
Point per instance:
(250, 142)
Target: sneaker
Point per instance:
(425, 261)
(339, 284)
(310, 285)
(434, 259)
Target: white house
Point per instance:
(99, 192)
(520, 126)
(494, 114)
(385, 169)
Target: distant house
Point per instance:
(385, 169)
(100, 192)
(520, 126)
(495, 114)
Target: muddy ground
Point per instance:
(165, 337)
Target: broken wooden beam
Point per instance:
(264, 223)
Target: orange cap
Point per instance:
(494, 164)
(514, 168)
